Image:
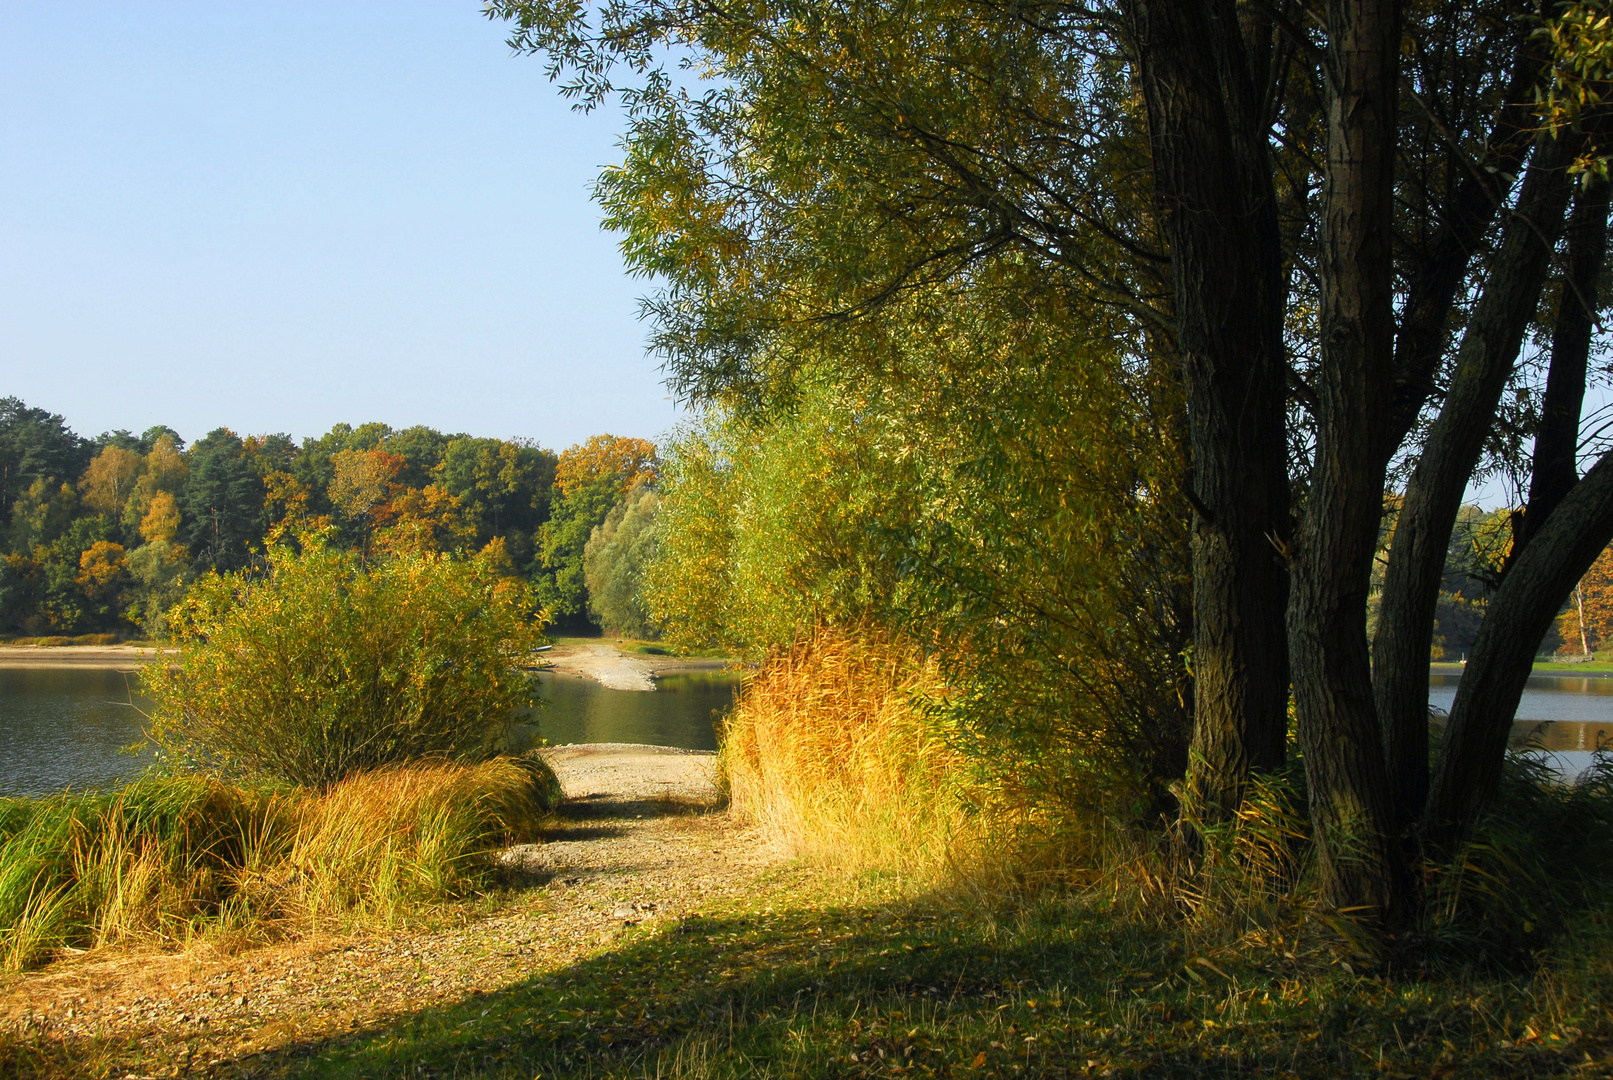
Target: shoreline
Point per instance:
(611, 666)
(86, 656)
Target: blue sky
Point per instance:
(274, 217)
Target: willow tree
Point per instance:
(1312, 213)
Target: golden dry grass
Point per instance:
(169, 858)
(830, 753)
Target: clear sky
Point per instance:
(278, 216)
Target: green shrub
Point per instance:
(320, 668)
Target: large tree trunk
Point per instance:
(1212, 179)
(1468, 773)
(1422, 534)
(1555, 469)
(1338, 729)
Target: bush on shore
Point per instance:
(323, 667)
(835, 749)
(169, 858)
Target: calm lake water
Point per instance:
(1567, 717)
(74, 727)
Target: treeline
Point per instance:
(105, 534)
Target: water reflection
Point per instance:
(1567, 718)
(67, 727)
(681, 711)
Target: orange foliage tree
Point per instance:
(421, 521)
(1595, 598)
(627, 460)
(101, 569)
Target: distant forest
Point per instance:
(105, 534)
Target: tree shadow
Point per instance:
(921, 989)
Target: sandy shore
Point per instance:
(611, 666)
(90, 656)
(640, 840)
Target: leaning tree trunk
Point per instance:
(1555, 469)
(1212, 179)
(1338, 729)
(1468, 773)
(1422, 533)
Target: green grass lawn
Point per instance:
(1547, 667)
(801, 981)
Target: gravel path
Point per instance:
(639, 840)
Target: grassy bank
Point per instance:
(802, 983)
(1545, 667)
(171, 858)
(59, 641)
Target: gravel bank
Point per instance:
(640, 840)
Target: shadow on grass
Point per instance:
(916, 989)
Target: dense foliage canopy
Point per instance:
(104, 535)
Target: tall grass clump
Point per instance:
(1540, 858)
(170, 858)
(321, 667)
(830, 751)
(840, 748)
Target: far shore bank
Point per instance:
(88, 656)
(613, 666)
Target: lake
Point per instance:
(63, 727)
(1568, 717)
(74, 727)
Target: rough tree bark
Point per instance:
(1212, 179)
(1332, 566)
(1487, 356)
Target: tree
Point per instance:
(422, 450)
(424, 520)
(504, 487)
(223, 502)
(626, 460)
(1352, 266)
(362, 485)
(34, 445)
(591, 478)
(109, 481)
(557, 566)
(163, 471)
(614, 561)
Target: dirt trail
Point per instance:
(638, 840)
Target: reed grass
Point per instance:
(830, 752)
(169, 858)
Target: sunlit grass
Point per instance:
(797, 981)
(168, 858)
(827, 751)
